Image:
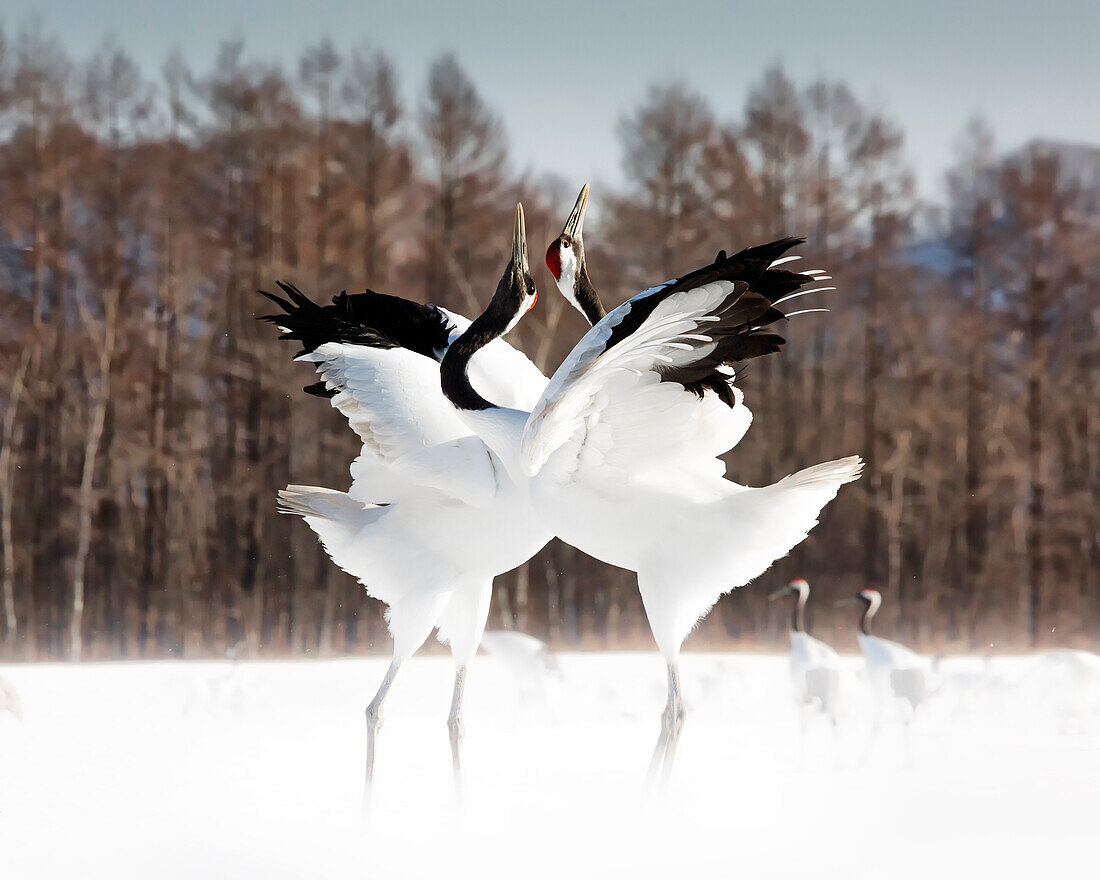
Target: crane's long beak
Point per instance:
(777, 594)
(519, 242)
(573, 226)
(851, 600)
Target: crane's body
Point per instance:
(424, 557)
(529, 660)
(691, 537)
(621, 449)
(9, 700)
(882, 657)
(815, 667)
(815, 674)
(895, 674)
(432, 516)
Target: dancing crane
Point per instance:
(621, 449)
(431, 516)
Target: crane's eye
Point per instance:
(565, 243)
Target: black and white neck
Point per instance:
(801, 590)
(515, 296)
(871, 599)
(566, 262)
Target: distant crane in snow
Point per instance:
(9, 699)
(531, 666)
(894, 672)
(1065, 684)
(525, 655)
(815, 667)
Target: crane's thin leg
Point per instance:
(661, 749)
(374, 724)
(658, 754)
(803, 724)
(678, 716)
(910, 717)
(672, 722)
(876, 727)
(838, 756)
(456, 730)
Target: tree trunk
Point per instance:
(7, 455)
(1035, 499)
(86, 498)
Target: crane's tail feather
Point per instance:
(342, 524)
(768, 522)
(794, 504)
(828, 475)
(314, 501)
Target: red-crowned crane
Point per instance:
(432, 515)
(620, 452)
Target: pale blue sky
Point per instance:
(560, 73)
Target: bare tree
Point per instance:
(117, 100)
(775, 125)
(146, 418)
(885, 186)
(665, 143)
(466, 145)
(370, 92)
(7, 499)
(971, 186)
(319, 69)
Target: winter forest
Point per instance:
(145, 420)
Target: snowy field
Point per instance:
(212, 770)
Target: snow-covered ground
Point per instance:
(253, 770)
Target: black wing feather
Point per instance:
(372, 319)
(741, 333)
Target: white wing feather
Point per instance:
(610, 409)
(412, 436)
(390, 397)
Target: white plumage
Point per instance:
(883, 657)
(895, 674)
(815, 667)
(815, 674)
(625, 467)
(607, 410)
(1064, 684)
(431, 516)
(524, 655)
(622, 462)
(9, 700)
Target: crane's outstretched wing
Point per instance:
(378, 360)
(649, 386)
(392, 400)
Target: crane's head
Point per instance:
(871, 600)
(797, 587)
(516, 294)
(868, 598)
(565, 260)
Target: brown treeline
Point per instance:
(148, 418)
